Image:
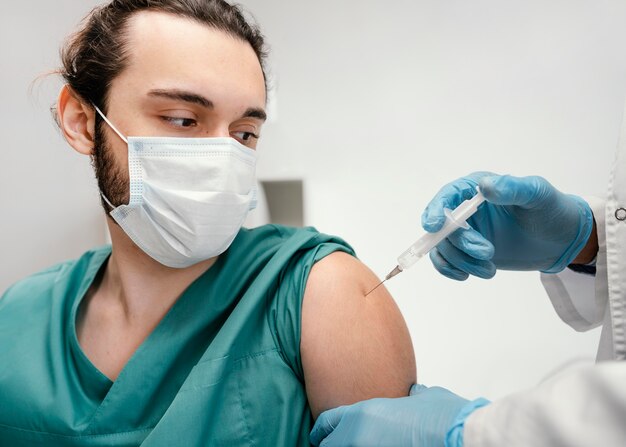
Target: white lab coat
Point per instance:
(587, 406)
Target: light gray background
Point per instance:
(376, 105)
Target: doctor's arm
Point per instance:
(352, 347)
(527, 224)
(585, 407)
(579, 408)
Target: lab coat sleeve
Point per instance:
(585, 407)
(581, 299)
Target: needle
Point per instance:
(377, 286)
(393, 273)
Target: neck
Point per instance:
(141, 287)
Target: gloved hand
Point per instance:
(526, 224)
(420, 420)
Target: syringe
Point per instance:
(454, 220)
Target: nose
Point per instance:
(218, 130)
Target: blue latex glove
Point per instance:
(526, 224)
(421, 420)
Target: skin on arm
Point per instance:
(353, 347)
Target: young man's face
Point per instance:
(182, 79)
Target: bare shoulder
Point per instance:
(353, 347)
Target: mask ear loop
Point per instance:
(119, 134)
(110, 123)
(107, 201)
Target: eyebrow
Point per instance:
(182, 95)
(194, 98)
(254, 112)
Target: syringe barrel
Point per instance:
(454, 220)
(428, 241)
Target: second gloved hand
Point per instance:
(526, 224)
(422, 420)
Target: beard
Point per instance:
(113, 180)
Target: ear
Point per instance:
(77, 121)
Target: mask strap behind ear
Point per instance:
(107, 200)
(110, 124)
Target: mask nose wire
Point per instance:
(110, 124)
(120, 135)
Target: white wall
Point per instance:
(378, 105)
(48, 197)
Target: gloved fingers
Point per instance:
(462, 261)
(445, 268)
(450, 196)
(325, 424)
(473, 243)
(526, 192)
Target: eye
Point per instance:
(180, 122)
(245, 136)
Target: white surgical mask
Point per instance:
(188, 196)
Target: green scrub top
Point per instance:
(222, 368)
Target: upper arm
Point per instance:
(352, 347)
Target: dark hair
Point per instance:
(94, 55)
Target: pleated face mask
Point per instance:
(189, 197)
